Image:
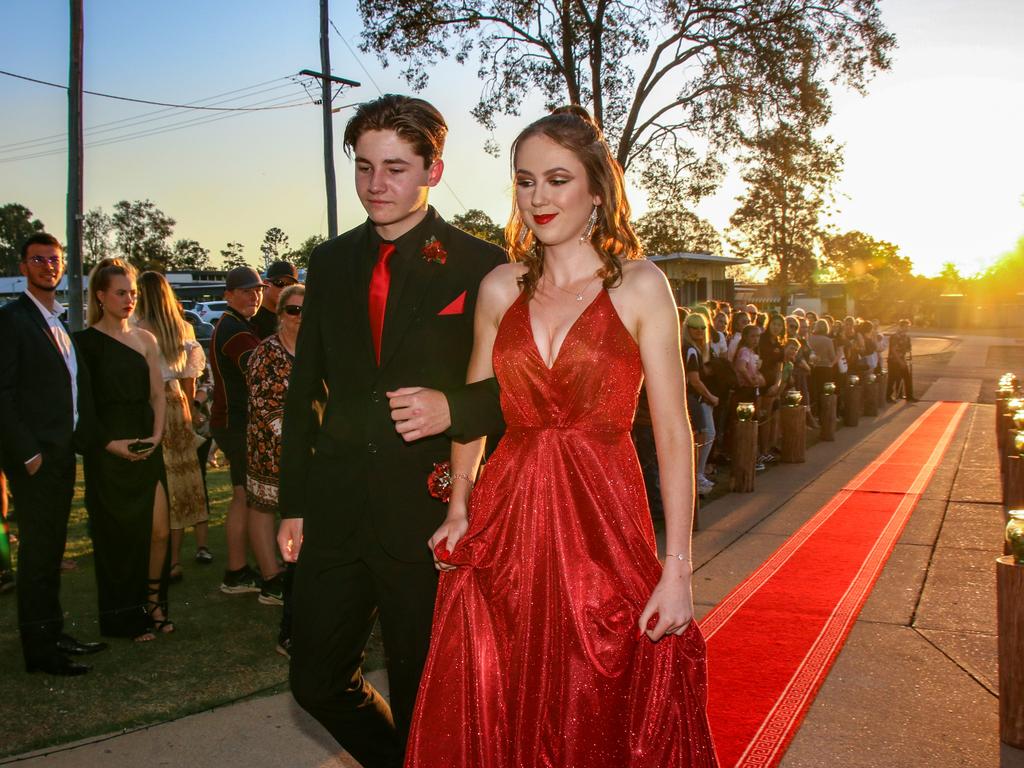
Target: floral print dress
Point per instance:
(270, 365)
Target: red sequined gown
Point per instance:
(535, 659)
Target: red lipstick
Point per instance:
(543, 218)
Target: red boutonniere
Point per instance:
(439, 482)
(433, 252)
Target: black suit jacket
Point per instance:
(347, 471)
(36, 409)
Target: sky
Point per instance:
(933, 156)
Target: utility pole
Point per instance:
(325, 82)
(74, 211)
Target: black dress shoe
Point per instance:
(68, 644)
(58, 665)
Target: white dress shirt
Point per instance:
(67, 350)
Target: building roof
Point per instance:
(707, 258)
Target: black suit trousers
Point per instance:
(336, 601)
(43, 504)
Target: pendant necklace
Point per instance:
(577, 294)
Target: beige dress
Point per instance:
(184, 480)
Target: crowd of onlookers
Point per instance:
(746, 355)
(146, 406)
(137, 397)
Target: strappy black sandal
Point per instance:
(164, 626)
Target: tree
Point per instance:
(189, 255)
(232, 256)
(16, 226)
(142, 232)
(478, 223)
(97, 228)
(853, 254)
(874, 271)
(674, 84)
(676, 230)
(778, 222)
(950, 278)
(300, 256)
(274, 246)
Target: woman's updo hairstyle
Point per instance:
(99, 280)
(572, 127)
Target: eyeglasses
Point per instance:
(282, 283)
(53, 261)
(293, 309)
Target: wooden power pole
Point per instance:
(74, 210)
(326, 81)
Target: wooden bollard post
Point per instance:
(1010, 612)
(794, 433)
(883, 386)
(744, 455)
(828, 418)
(851, 413)
(870, 395)
(1009, 431)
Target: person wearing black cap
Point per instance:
(232, 343)
(279, 276)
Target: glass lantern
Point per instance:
(829, 388)
(1018, 419)
(1015, 535)
(794, 398)
(853, 379)
(1018, 443)
(745, 411)
(871, 378)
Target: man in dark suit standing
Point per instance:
(388, 303)
(45, 408)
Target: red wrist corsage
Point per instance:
(433, 252)
(439, 482)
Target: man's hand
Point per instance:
(289, 538)
(32, 465)
(419, 412)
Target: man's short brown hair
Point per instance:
(417, 121)
(39, 238)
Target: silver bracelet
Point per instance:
(683, 558)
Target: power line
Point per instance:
(189, 123)
(129, 122)
(139, 101)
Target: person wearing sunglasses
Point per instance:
(45, 413)
(279, 276)
(269, 369)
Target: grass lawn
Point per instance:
(222, 651)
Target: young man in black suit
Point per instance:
(388, 303)
(45, 409)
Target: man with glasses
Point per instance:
(231, 345)
(279, 276)
(45, 413)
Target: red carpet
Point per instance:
(772, 640)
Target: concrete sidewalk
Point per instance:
(915, 684)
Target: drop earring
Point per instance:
(591, 223)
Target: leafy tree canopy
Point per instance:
(778, 222)
(675, 85)
(16, 226)
(300, 256)
(478, 223)
(233, 255)
(854, 254)
(274, 246)
(677, 230)
(142, 233)
(189, 255)
(97, 230)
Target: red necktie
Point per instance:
(380, 281)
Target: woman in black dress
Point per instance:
(124, 487)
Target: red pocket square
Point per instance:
(457, 307)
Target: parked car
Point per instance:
(210, 311)
(203, 330)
